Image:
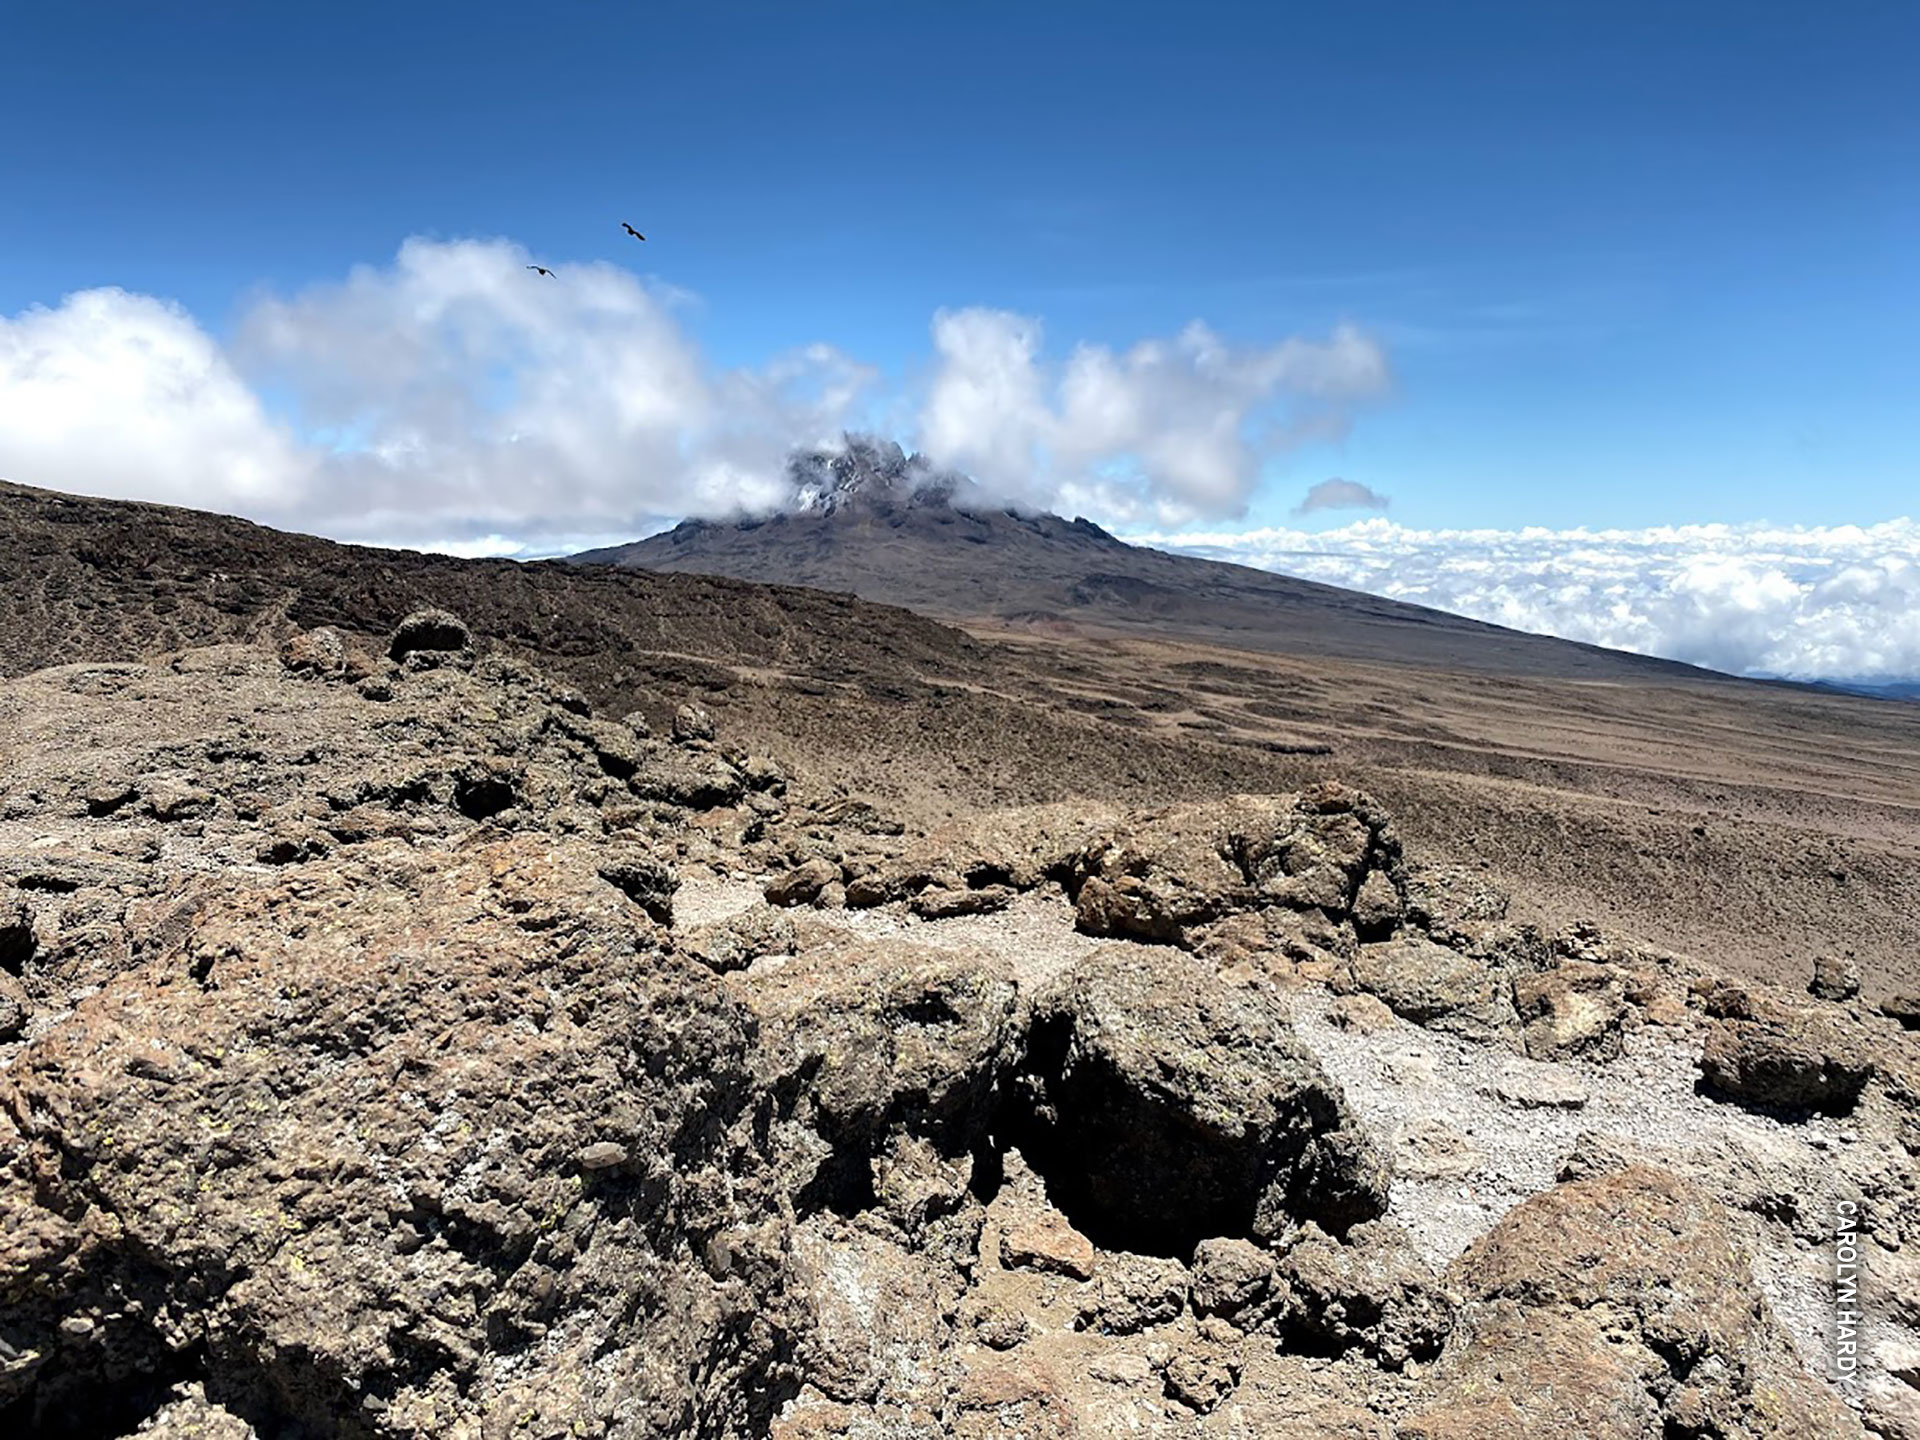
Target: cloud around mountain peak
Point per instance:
(452, 395)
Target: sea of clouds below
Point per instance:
(1836, 602)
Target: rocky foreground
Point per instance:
(390, 1046)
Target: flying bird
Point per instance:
(631, 231)
(542, 269)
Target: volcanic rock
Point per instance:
(14, 1007)
(1574, 1008)
(871, 1044)
(1230, 1276)
(1021, 848)
(942, 903)
(692, 725)
(1434, 986)
(1619, 1306)
(225, 1156)
(1134, 1293)
(1166, 1107)
(1369, 1291)
(739, 940)
(1835, 977)
(1167, 873)
(429, 632)
(319, 651)
(382, 1080)
(802, 884)
(1048, 1243)
(1789, 1061)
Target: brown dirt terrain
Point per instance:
(1754, 825)
(391, 1047)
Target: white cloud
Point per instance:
(452, 397)
(119, 394)
(472, 397)
(1338, 494)
(1169, 430)
(1834, 602)
(455, 397)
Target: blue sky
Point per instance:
(1632, 264)
(1626, 265)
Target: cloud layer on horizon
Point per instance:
(454, 398)
(1826, 602)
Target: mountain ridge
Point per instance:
(874, 522)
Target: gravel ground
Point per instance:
(1464, 1156)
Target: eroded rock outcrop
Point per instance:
(1619, 1306)
(1165, 1107)
(869, 1051)
(1166, 874)
(341, 1151)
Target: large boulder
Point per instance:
(364, 1136)
(877, 1330)
(1231, 1277)
(692, 725)
(1620, 1305)
(1434, 986)
(1370, 1292)
(1164, 874)
(1793, 1061)
(1514, 1373)
(1454, 905)
(1835, 977)
(695, 779)
(866, 1047)
(1575, 1008)
(1165, 1107)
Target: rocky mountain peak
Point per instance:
(866, 470)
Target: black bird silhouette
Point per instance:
(542, 269)
(631, 231)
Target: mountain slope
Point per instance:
(109, 579)
(872, 525)
(1760, 823)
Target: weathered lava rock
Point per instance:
(429, 631)
(868, 1046)
(1163, 875)
(325, 1150)
(1619, 1306)
(1164, 1106)
(1434, 986)
(1787, 1061)
(1370, 1292)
